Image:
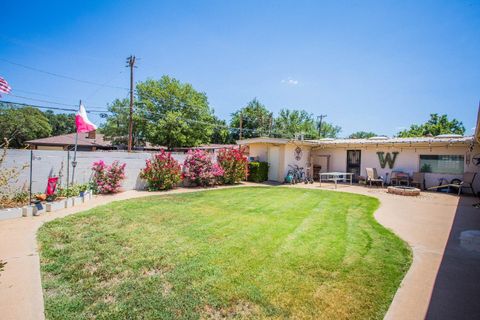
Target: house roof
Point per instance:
(273, 141)
(442, 139)
(100, 141)
(69, 139)
(212, 146)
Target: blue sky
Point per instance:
(369, 65)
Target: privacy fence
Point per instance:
(48, 163)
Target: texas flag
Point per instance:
(82, 122)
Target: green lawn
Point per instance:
(264, 252)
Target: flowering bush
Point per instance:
(234, 165)
(107, 178)
(199, 168)
(162, 172)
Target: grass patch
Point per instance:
(265, 252)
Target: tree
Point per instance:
(221, 133)
(256, 120)
(116, 124)
(329, 130)
(435, 126)
(292, 122)
(20, 125)
(362, 135)
(61, 123)
(174, 113)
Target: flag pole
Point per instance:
(74, 162)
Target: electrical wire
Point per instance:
(61, 76)
(53, 102)
(15, 104)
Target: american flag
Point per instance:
(4, 87)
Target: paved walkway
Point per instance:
(424, 222)
(428, 223)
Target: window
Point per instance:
(452, 164)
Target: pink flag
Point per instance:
(82, 122)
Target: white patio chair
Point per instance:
(372, 176)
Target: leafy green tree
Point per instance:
(436, 125)
(61, 123)
(221, 133)
(117, 122)
(329, 130)
(362, 135)
(174, 113)
(292, 122)
(256, 120)
(20, 125)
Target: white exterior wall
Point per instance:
(259, 150)
(286, 156)
(289, 159)
(408, 160)
(47, 163)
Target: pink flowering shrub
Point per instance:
(199, 168)
(234, 164)
(107, 178)
(162, 172)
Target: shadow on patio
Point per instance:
(456, 294)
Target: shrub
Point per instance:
(199, 168)
(107, 178)
(162, 172)
(10, 196)
(234, 165)
(257, 171)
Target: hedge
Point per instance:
(257, 171)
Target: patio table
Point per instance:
(335, 177)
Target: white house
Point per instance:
(444, 156)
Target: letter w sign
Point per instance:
(387, 159)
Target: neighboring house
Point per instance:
(90, 141)
(211, 148)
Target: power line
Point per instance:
(60, 75)
(52, 102)
(16, 104)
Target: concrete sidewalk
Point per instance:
(424, 222)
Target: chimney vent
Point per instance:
(91, 135)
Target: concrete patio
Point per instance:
(442, 282)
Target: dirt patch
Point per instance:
(239, 310)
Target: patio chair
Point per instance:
(418, 180)
(399, 177)
(466, 183)
(372, 176)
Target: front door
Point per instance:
(273, 160)
(353, 162)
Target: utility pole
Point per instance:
(131, 64)
(320, 119)
(241, 124)
(270, 124)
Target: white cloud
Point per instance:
(290, 81)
